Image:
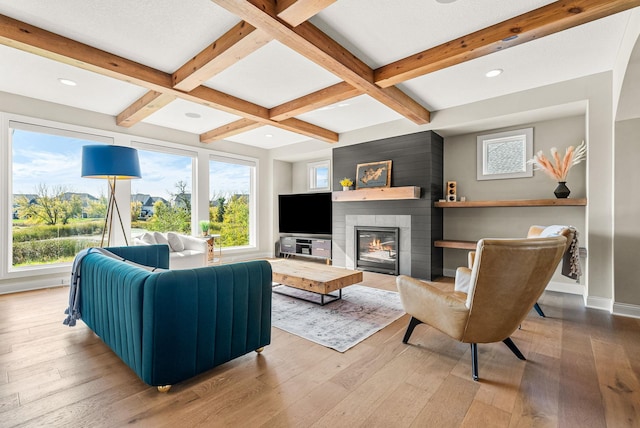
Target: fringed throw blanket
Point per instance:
(73, 311)
(571, 260)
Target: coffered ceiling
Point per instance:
(270, 74)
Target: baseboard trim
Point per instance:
(564, 287)
(18, 286)
(601, 303)
(626, 310)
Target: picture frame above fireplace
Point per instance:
(373, 174)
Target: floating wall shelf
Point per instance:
(377, 194)
(568, 202)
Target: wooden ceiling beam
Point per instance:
(322, 98)
(550, 19)
(294, 125)
(313, 44)
(143, 107)
(237, 43)
(25, 37)
(229, 130)
(310, 130)
(295, 12)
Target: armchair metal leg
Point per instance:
(412, 324)
(539, 310)
(474, 361)
(513, 348)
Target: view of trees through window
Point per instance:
(161, 199)
(230, 186)
(55, 212)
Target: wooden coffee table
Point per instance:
(314, 277)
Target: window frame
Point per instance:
(140, 144)
(312, 175)
(253, 193)
(7, 123)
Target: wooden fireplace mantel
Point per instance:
(377, 194)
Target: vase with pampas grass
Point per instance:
(558, 168)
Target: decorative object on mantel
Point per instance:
(559, 168)
(346, 183)
(373, 174)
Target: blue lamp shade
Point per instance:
(106, 161)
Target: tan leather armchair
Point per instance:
(507, 278)
(534, 232)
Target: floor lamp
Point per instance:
(113, 163)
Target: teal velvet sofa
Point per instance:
(170, 325)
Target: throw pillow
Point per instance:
(554, 230)
(148, 238)
(175, 243)
(161, 239)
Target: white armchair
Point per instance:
(184, 251)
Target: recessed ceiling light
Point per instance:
(67, 82)
(494, 73)
(445, 1)
(268, 135)
(343, 104)
(193, 115)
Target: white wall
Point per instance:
(627, 214)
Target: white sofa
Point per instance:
(185, 251)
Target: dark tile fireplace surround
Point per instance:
(416, 161)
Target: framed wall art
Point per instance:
(373, 174)
(505, 154)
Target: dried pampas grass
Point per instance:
(559, 168)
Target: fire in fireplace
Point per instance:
(377, 249)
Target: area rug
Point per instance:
(339, 325)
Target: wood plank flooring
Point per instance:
(583, 370)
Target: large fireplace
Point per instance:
(376, 249)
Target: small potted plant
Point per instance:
(204, 227)
(346, 183)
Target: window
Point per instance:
(318, 175)
(232, 201)
(55, 213)
(161, 200)
(505, 155)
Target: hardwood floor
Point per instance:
(583, 370)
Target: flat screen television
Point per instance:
(307, 213)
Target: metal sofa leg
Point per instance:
(513, 348)
(474, 361)
(412, 324)
(539, 310)
(164, 388)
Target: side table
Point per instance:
(212, 242)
